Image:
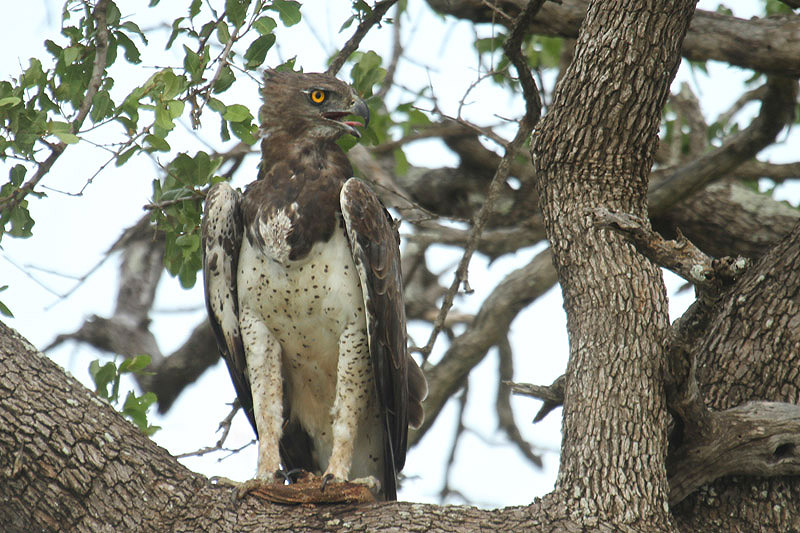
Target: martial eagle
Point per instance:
(305, 295)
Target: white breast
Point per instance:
(306, 304)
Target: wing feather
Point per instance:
(222, 241)
(374, 244)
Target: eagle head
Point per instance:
(310, 105)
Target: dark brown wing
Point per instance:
(374, 243)
(222, 240)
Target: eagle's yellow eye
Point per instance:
(317, 96)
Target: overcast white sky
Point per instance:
(72, 233)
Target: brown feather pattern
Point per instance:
(304, 181)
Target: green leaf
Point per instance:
(17, 174)
(66, 138)
(222, 32)
(135, 408)
(187, 276)
(71, 54)
(244, 131)
(134, 364)
(164, 117)
(194, 8)
(21, 221)
(288, 10)
(347, 23)
(176, 30)
(127, 154)
(132, 27)
(175, 108)
(194, 63)
(216, 105)
(367, 72)
(102, 106)
(264, 25)
(225, 80)
(257, 52)
(112, 14)
(237, 113)
(4, 310)
(400, 162)
(10, 101)
(190, 241)
(131, 52)
(156, 144)
(236, 10)
(102, 377)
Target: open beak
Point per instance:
(359, 108)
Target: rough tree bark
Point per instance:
(595, 149)
(750, 353)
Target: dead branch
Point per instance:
(552, 395)
(679, 256)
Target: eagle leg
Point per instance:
(264, 369)
(354, 387)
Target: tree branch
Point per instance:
(69, 462)
(777, 110)
(552, 395)
(511, 295)
(533, 108)
(680, 256)
(374, 17)
(756, 439)
(770, 45)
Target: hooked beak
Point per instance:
(359, 108)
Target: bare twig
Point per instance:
(533, 107)
(397, 52)
(753, 94)
(443, 129)
(351, 45)
(552, 395)
(514, 293)
(505, 416)
(451, 458)
(224, 426)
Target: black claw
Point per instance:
(294, 474)
(289, 476)
(325, 480)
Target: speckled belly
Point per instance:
(307, 304)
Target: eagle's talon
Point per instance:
(325, 480)
(289, 476)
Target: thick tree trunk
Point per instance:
(595, 149)
(751, 353)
